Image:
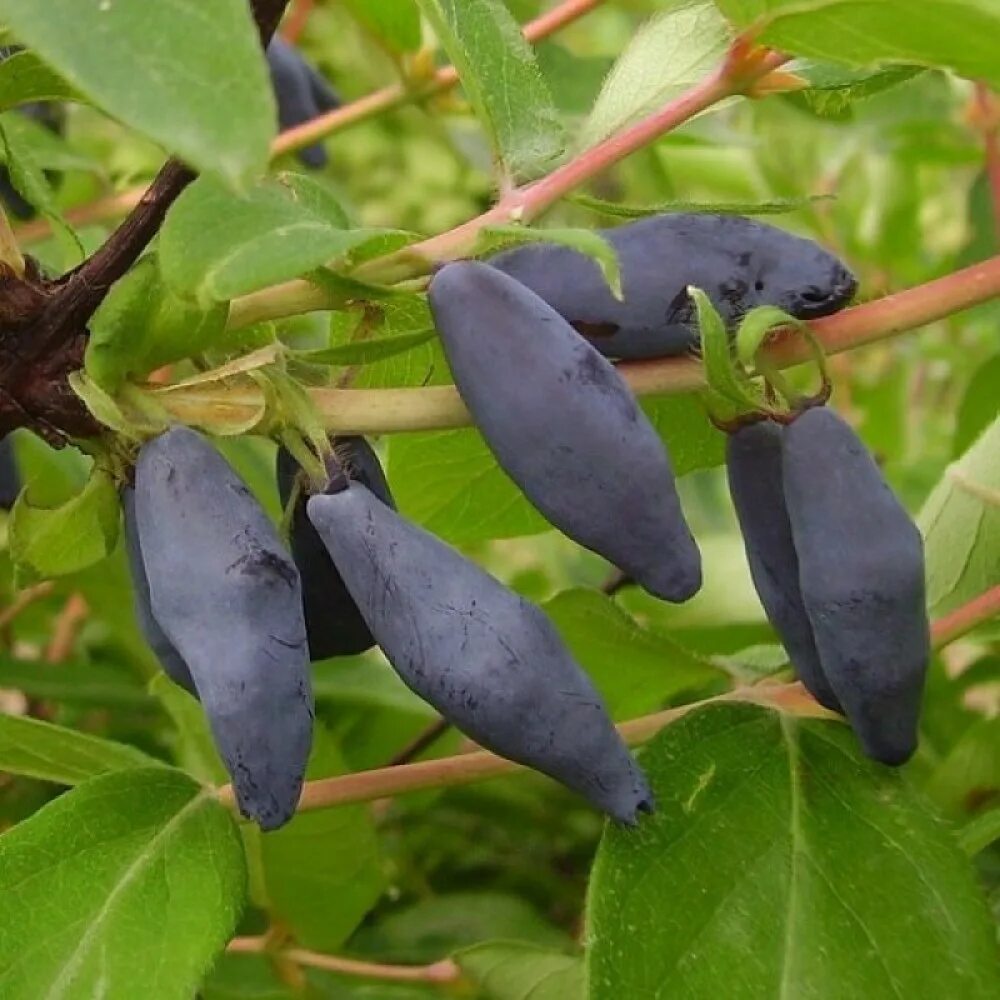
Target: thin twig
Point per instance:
(445, 971)
(964, 619)
(988, 113)
(298, 15)
(66, 629)
(86, 287)
(423, 741)
(109, 207)
(616, 582)
(468, 768)
(375, 411)
(520, 204)
(24, 600)
(464, 769)
(525, 204)
(365, 108)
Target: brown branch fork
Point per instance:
(43, 323)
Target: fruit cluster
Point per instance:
(235, 619)
(839, 567)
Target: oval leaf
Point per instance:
(142, 325)
(216, 245)
(24, 77)
(53, 753)
(188, 74)
(127, 886)
(960, 35)
(670, 53)
(780, 863)
(961, 526)
(502, 80)
(50, 542)
(506, 970)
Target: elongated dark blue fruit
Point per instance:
(753, 463)
(10, 478)
(302, 94)
(565, 427)
(226, 595)
(861, 570)
(737, 262)
(489, 661)
(172, 662)
(334, 624)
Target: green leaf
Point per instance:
(246, 976)
(73, 682)
(424, 364)
(193, 746)
(636, 670)
(344, 291)
(574, 78)
(52, 753)
(105, 408)
(143, 325)
(421, 365)
(158, 68)
(216, 245)
(502, 80)
(980, 832)
(779, 862)
(364, 352)
(323, 872)
(437, 925)
(756, 326)
(754, 663)
(449, 482)
(717, 352)
(48, 150)
(380, 243)
(833, 88)
(508, 971)
(128, 886)
(691, 438)
(676, 49)
(961, 526)
(980, 406)
(395, 23)
(969, 774)
(28, 177)
(776, 206)
(51, 542)
(25, 78)
(366, 682)
(961, 35)
(584, 241)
